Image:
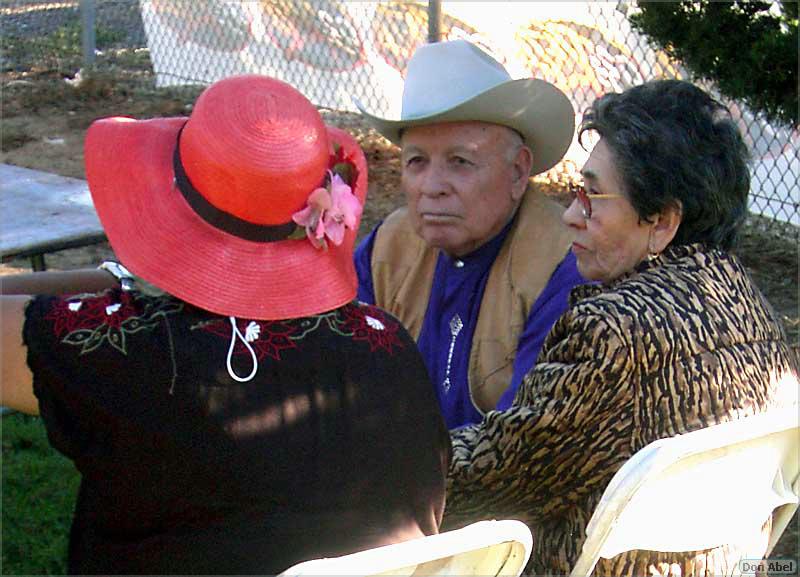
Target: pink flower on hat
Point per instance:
(344, 213)
(311, 217)
(328, 214)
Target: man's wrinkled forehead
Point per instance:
(469, 135)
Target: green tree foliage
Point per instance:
(747, 48)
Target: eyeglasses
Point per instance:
(585, 199)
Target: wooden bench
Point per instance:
(42, 212)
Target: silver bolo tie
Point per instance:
(455, 327)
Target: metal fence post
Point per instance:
(434, 20)
(87, 31)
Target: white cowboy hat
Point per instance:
(457, 81)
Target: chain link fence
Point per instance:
(335, 50)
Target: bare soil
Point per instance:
(44, 121)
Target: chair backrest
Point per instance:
(483, 548)
(707, 488)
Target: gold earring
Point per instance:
(651, 254)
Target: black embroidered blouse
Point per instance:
(336, 443)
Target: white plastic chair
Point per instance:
(699, 490)
(483, 548)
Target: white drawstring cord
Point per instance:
(234, 334)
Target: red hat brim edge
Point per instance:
(157, 235)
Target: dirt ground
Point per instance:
(44, 122)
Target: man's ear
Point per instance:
(665, 227)
(521, 171)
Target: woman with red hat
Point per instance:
(234, 410)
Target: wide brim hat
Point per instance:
(252, 151)
(457, 81)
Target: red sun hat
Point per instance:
(207, 208)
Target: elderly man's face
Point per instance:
(462, 181)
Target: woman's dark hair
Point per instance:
(672, 142)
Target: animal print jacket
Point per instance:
(682, 342)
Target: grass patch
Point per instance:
(60, 50)
(12, 137)
(97, 91)
(39, 487)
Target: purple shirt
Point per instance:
(457, 290)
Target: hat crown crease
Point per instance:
(438, 72)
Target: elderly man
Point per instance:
(476, 266)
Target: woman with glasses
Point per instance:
(673, 336)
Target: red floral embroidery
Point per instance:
(87, 312)
(373, 326)
(273, 336)
(89, 321)
(269, 338)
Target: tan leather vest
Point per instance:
(402, 274)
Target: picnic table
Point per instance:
(42, 212)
